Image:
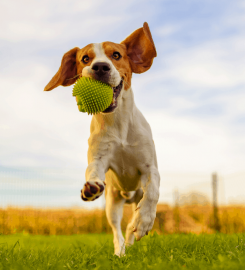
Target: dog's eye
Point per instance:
(116, 55)
(85, 59)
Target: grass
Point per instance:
(95, 251)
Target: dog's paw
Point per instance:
(119, 247)
(92, 190)
(143, 221)
(120, 253)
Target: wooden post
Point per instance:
(215, 204)
(176, 198)
(176, 211)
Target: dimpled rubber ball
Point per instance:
(92, 96)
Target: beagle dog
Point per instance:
(121, 153)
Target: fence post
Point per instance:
(216, 224)
(176, 211)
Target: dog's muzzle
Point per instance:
(116, 92)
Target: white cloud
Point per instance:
(166, 30)
(42, 127)
(58, 20)
(184, 144)
(216, 64)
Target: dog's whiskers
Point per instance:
(125, 82)
(124, 79)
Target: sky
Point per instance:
(193, 96)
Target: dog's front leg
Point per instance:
(95, 185)
(145, 212)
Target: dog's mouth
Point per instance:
(116, 92)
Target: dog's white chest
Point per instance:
(124, 172)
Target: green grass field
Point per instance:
(95, 251)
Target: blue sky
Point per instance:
(193, 96)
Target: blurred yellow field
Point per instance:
(185, 219)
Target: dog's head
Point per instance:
(108, 62)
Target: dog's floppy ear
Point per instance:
(140, 49)
(66, 72)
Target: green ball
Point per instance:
(93, 96)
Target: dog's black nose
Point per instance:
(101, 68)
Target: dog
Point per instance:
(121, 155)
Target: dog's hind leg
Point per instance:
(114, 213)
(146, 209)
(129, 231)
